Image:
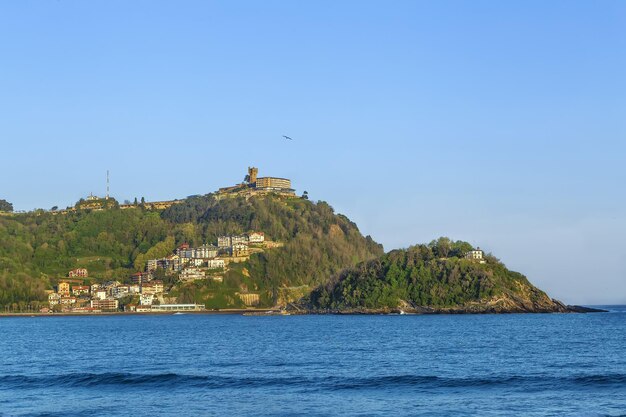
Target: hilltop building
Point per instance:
(255, 185)
(476, 255)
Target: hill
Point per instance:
(434, 278)
(312, 243)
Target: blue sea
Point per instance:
(232, 365)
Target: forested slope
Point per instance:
(36, 249)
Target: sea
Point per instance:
(316, 365)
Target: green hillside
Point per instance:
(36, 249)
(435, 278)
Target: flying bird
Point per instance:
(287, 137)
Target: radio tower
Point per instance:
(107, 197)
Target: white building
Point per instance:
(191, 274)
(178, 307)
(216, 264)
(206, 252)
(256, 237)
(239, 249)
(120, 291)
(146, 299)
(223, 242)
(241, 239)
(476, 255)
(54, 299)
(99, 294)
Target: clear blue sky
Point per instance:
(500, 123)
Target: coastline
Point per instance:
(233, 311)
(348, 312)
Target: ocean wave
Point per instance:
(174, 380)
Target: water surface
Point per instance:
(217, 365)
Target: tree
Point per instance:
(5, 206)
(143, 200)
(305, 195)
(135, 202)
(54, 208)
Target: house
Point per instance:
(120, 291)
(108, 304)
(130, 308)
(239, 249)
(195, 262)
(151, 265)
(134, 288)
(206, 252)
(66, 301)
(143, 309)
(256, 237)
(79, 272)
(80, 289)
(99, 294)
(54, 299)
(63, 288)
(224, 242)
(191, 274)
(146, 299)
(216, 264)
(139, 277)
(182, 248)
(476, 255)
(153, 287)
(241, 239)
(93, 288)
(110, 284)
(186, 253)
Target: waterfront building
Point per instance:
(178, 307)
(108, 304)
(146, 299)
(54, 299)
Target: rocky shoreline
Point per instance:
(555, 307)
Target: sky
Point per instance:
(499, 123)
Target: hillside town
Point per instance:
(143, 293)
